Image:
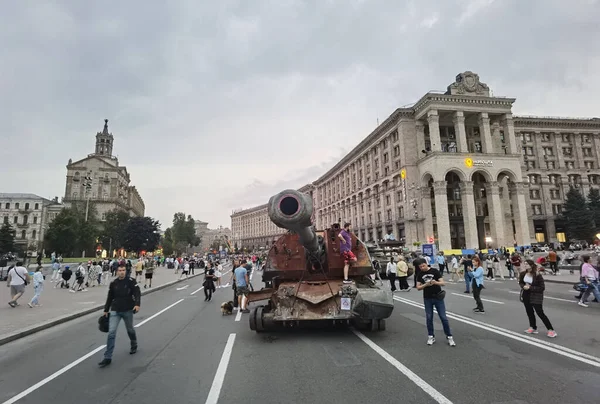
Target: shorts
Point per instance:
(16, 289)
(242, 290)
(149, 276)
(348, 256)
(138, 273)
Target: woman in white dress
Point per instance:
(219, 273)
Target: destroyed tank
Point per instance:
(304, 273)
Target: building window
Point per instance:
(545, 137)
(585, 139)
(566, 137)
(534, 193)
(74, 195)
(589, 165)
(385, 157)
(15, 219)
(389, 214)
(587, 152)
(5, 219)
(550, 165)
(537, 209)
(27, 206)
(528, 151)
(401, 212)
(527, 137)
(567, 151)
(548, 151)
(25, 219)
(557, 209)
(388, 200)
(37, 206)
(23, 234)
(554, 194)
(570, 164)
(7, 206)
(378, 216)
(530, 164)
(17, 205)
(33, 234)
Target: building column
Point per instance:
(420, 130)
(427, 214)
(461, 132)
(520, 218)
(441, 215)
(496, 215)
(485, 133)
(509, 134)
(469, 214)
(551, 230)
(434, 130)
(558, 150)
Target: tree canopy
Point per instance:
(69, 234)
(112, 233)
(593, 204)
(183, 232)
(7, 238)
(577, 216)
(141, 234)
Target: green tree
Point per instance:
(593, 204)
(577, 216)
(7, 238)
(142, 234)
(113, 229)
(183, 232)
(70, 234)
(167, 242)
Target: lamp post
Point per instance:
(87, 183)
(414, 203)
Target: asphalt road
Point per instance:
(190, 353)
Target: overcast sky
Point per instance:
(217, 107)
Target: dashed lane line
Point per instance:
(548, 346)
(485, 300)
(426, 387)
(217, 384)
(547, 297)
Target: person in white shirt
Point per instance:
(454, 277)
(219, 274)
(38, 287)
(391, 272)
(17, 280)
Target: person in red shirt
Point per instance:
(346, 250)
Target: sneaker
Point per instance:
(552, 334)
(408, 290)
(12, 304)
(30, 305)
(245, 311)
(479, 311)
(430, 340)
(133, 350)
(347, 281)
(104, 363)
(582, 304)
(466, 291)
(531, 331)
(451, 341)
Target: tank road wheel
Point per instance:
(259, 319)
(252, 319)
(381, 325)
(373, 325)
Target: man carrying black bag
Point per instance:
(123, 301)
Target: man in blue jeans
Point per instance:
(430, 282)
(123, 301)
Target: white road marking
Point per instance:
(77, 362)
(183, 287)
(238, 316)
(561, 350)
(470, 297)
(547, 297)
(196, 291)
(52, 376)
(158, 314)
(217, 384)
(426, 387)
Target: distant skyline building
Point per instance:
(458, 168)
(29, 215)
(99, 179)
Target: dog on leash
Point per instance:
(226, 308)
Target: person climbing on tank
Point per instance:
(346, 250)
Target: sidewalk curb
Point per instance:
(5, 339)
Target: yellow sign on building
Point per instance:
(403, 174)
(469, 162)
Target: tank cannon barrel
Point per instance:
(292, 210)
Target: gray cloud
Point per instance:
(214, 107)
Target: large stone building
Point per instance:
(29, 215)
(208, 236)
(100, 179)
(251, 228)
(458, 168)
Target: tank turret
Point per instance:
(292, 210)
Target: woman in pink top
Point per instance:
(589, 275)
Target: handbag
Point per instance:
(103, 323)
(440, 295)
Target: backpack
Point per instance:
(78, 273)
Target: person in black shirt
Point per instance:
(209, 282)
(123, 301)
(430, 282)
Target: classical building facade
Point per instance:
(251, 228)
(29, 215)
(458, 168)
(99, 179)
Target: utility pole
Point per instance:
(87, 183)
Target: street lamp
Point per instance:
(87, 183)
